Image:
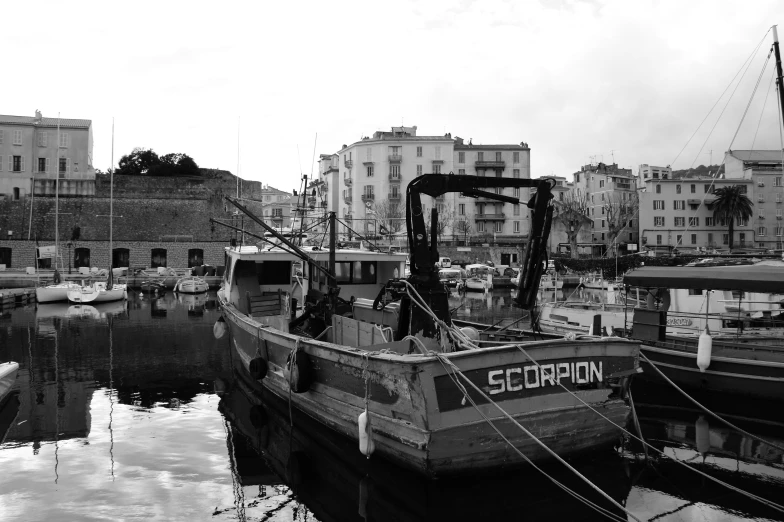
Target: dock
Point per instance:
(13, 297)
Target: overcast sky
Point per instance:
(576, 80)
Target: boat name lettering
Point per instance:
(532, 376)
(678, 321)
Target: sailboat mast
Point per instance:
(57, 196)
(779, 81)
(111, 203)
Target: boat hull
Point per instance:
(84, 295)
(419, 416)
(760, 378)
(8, 372)
(54, 293)
(191, 286)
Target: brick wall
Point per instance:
(23, 252)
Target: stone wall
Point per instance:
(23, 252)
(480, 254)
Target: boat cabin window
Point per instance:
(274, 272)
(349, 273)
(694, 292)
(736, 294)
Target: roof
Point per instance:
(507, 146)
(45, 122)
(754, 278)
(757, 155)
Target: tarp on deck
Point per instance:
(748, 278)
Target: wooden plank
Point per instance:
(365, 333)
(350, 332)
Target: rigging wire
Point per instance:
(764, 104)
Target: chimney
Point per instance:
(38, 116)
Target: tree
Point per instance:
(620, 209)
(138, 162)
(731, 204)
(572, 213)
(463, 226)
(390, 216)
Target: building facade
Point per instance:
(607, 188)
(646, 171)
(34, 153)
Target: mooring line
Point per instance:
(706, 410)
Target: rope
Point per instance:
(706, 410)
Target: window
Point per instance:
(498, 156)
(515, 157)
(658, 239)
(419, 151)
(480, 156)
(709, 222)
(515, 173)
(517, 210)
(601, 184)
(658, 189)
(369, 191)
(658, 221)
(64, 139)
(680, 221)
(602, 223)
(121, 257)
(602, 236)
(602, 210)
(602, 196)
(707, 188)
(743, 189)
(694, 239)
(277, 212)
(778, 198)
(461, 209)
(678, 188)
(742, 238)
(370, 170)
(394, 171)
(779, 231)
(693, 188)
(517, 226)
(63, 167)
(679, 204)
(461, 157)
(742, 222)
(17, 137)
(710, 238)
(561, 196)
(158, 258)
(761, 231)
(419, 170)
(679, 239)
(499, 226)
(694, 221)
(438, 152)
(461, 172)
(17, 163)
(43, 164)
(577, 178)
(777, 181)
(395, 191)
(81, 257)
(436, 168)
(43, 139)
(480, 227)
(516, 192)
(658, 204)
(725, 239)
(17, 194)
(5, 256)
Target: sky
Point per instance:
(255, 85)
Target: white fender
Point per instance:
(702, 435)
(366, 444)
(704, 349)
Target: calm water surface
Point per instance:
(133, 412)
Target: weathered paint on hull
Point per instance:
(416, 420)
(724, 375)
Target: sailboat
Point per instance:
(59, 290)
(100, 292)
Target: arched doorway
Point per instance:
(121, 258)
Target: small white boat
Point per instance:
(97, 293)
(480, 277)
(8, 373)
(54, 293)
(550, 283)
(578, 318)
(599, 283)
(191, 285)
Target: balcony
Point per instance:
(394, 197)
(347, 198)
(490, 164)
(440, 198)
(395, 158)
(438, 162)
(312, 201)
(394, 178)
(348, 163)
(368, 197)
(326, 186)
(490, 217)
(347, 181)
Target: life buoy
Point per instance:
(301, 376)
(258, 368)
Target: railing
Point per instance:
(368, 197)
(491, 164)
(347, 198)
(348, 163)
(394, 197)
(347, 181)
(395, 158)
(394, 177)
(490, 217)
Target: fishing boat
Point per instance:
(479, 277)
(706, 351)
(8, 373)
(389, 369)
(191, 285)
(452, 277)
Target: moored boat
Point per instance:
(191, 285)
(150, 287)
(54, 293)
(431, 391)
(8, 373)
(98, 292)
(479, 277)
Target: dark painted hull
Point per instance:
(420, 418)
(760, 378)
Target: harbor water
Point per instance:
(131, 411)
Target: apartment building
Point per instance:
(646, 171)
(678, 213)
(764, 169)
(32, 148)
(486, 218)
(605, 185)
(277, 207)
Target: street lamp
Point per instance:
(69, 245)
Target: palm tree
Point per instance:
(731, 204)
